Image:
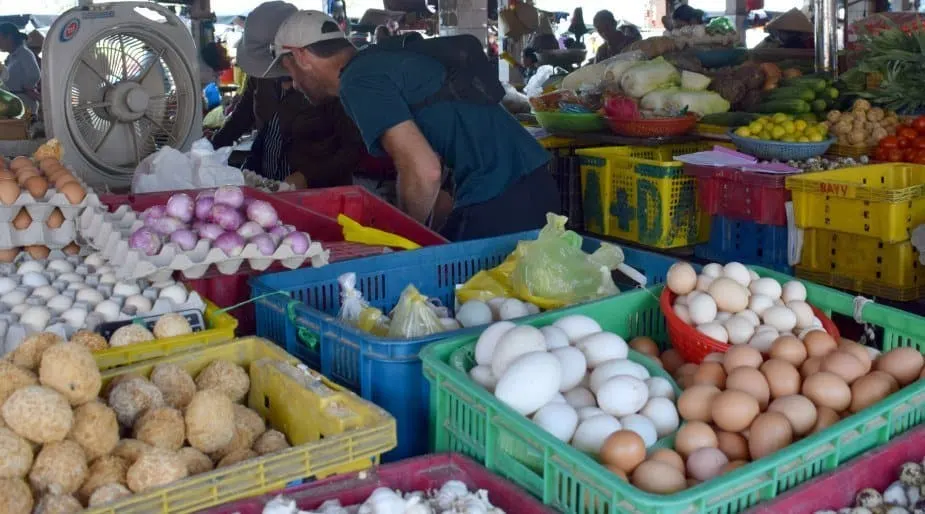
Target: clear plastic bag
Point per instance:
(414, 316)
(355, 310)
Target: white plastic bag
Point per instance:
(203, 166)
(534, 86)
(352, 302)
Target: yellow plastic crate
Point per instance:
(331, 429)
(862, 264)
(642, 195)
(885, 201)
(221, 327)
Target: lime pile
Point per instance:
(785, 128)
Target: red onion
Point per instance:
(205, 194)
(184, 238)
(265, 244)
(146, 240)
(299, 241)
(197, 224)
(230, 242)
(263, 213)
(153, 213)
(180, 206)
(226, 216)
(203, 206)
(281, 231)
(210, 231)
(230, 195)
(167, 225)
(250, 229)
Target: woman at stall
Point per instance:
(20, 73)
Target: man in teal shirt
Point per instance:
(499, 170)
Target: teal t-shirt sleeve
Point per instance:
(374, 102)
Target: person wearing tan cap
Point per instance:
(789, 30)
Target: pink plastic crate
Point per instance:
(878, 469)
(742, 195)
(415, 474)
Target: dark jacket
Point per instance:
(258, 104)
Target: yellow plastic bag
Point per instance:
(488, 284)
(414, 316)
(355, 310)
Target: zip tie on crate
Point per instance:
(869, 334)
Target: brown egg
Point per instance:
(715, 357)
(692, 482)
(72, 248)
(799, 410)
(733, 410)
(25, 174)
(20, 162)
(869, 390)
(710, 373)
(658, 477)
(54, 172)
(706, 463)
(819, 343)
(751, 381)
(37, 251)
(62, 179)
(657, 361)
(735, 446)
(9, 255)
(688, 368)
(7, 175)
(48, 163)
(645, 345)
(828, 390)
(22, 220)
(825, 417)
(695, 402)
(616, 471)
(788, 348)
(733, 465)
(859, 352)
(770, 432)
(671, 360)
(783, 379)
(624, 449)
(844, 365)
(810, 366)
(692, 436)
(37, 186)
(904, 364)
(55, 219)
(9, 192)
(668, 456)
(73, 191)
(894, 385)
(741, 355)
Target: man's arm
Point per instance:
(418, 168)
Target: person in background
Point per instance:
(683, 16)
(34, 42)
(789, 30)
(614, 39)
(632, 32)
(381, 34)
(529, 64)
(20, 74)
(498, 169)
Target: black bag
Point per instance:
(470, 76)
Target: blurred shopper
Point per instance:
(20, 73)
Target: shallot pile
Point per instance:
(225, 218)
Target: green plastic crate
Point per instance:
(467, 419)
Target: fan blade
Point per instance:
(104, 138)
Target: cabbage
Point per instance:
(700, 102)
(649, 76)
(658, 100)
(694, 81)
(616, 69)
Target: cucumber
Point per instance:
(729, 119)
(807, 117)
(832, 93)
(819, 105)
(817, 85)
(784, 106)
(792, 93)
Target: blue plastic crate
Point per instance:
(388, 371)
(746, 242)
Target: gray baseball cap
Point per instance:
(254, 51)
(302, 28)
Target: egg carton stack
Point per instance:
(50, 220)
(66, 293)
(109, 233)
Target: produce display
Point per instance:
(799, 95)
(785, 128)
(904, 496)
(862, 126)
(824, 164)
(69, 442)
(906, 145)
(453, 497)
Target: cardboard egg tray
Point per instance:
(38, 232)
(109, 233)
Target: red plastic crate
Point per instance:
(415, 474)
(877, 469)
(366, 209)
(742, 195)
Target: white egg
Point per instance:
(663, 414)
(750, 316)
(449, 324)
(794, 291)
(767, 287)
(573, 365)
(780, 317)
(30, 267)
(680, 300)
(139, 302)
(44, 292)
(739, 329)
(559, 419)
(713, 270)
(91, 296)
(512, 308)
(107, 278)
(108, 309)
(36, 317)
(622, 395)
(738, 272)
(7, 284)
(531, 309)
(108, 269)
(514, 343)
(178, 295)
(682, 312)
(75, 317)
(703, 284)
(602, 347)
(13, 298)
(495, 305)
(470, 314)
(589, 412)
(763, 339)
(803, 313)
(722, 317)
(60, 266)
(681, 278)
(702, 309)
(558, 398)
(555, 337)
(577, 326)
(592, 432)
(483, 377)
(660, 387)
(754, 276)
(94, 259)
(19, 309)
(613, 368)
(70, 278)
(580, 397)
(714, 330)
(758, 303)
(59, 304)
(643, 426)
(34, 279)
(76, 286)
(529, 382)
(126, 289)
(488, 340)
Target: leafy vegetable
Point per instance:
(700, 102)
(694, 81)
(649, 76)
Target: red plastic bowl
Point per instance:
(694, 346)
(652, 127)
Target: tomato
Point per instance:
(889, 142)
(919, 124)
(909, 154)
(907, 132)
(904, 142)
(880, 154)
(920, 158)
(894, 155)
(919, 143)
